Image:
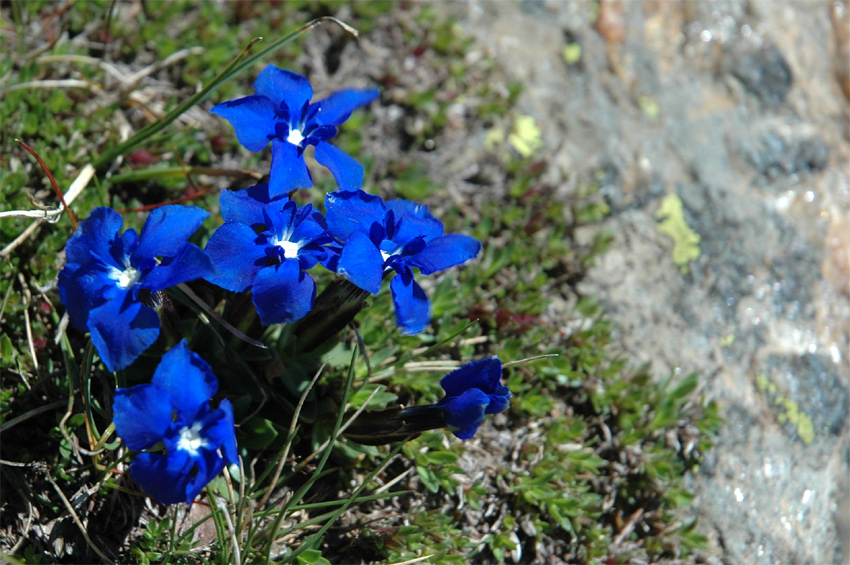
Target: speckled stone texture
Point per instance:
(737, 108)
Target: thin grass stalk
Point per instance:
(292, 426)
(321, 465)
(317, 536)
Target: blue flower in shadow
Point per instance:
(174, 409)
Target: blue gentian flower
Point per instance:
(471, 392)
(174, 409)
(281, 112)
(266, 244)
(110, 279)
(398, 235)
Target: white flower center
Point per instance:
(295, 137)
(385, 255)
(290, 249)
(191, 440)
(126, 278)
(129, 277)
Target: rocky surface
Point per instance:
(730, 118)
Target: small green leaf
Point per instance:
(257, 433)
(441, 457)
(312, 557)
(685, 386)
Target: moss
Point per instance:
(787, 411)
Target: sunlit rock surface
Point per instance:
(737, 109)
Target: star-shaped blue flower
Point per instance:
(471, 392)
(398, 235)
(174, 409)
(266, 244)
(109, 279)
(281, 112)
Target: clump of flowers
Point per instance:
(174, 409)
(113, 282)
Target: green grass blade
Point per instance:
(316, 538)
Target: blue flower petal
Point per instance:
(246, 205)
(284, 87)
(409, 228)
(238, 253)
(79, 288)
(188, 380)
(412, 308)
(311, 228)
(207, 465)
(164, 478)
(499, 400)
(361, 263)
(140, 415)
(289, 171)
(444, 252)
(228, 446)
(253, 119)
(348, 212)
(485, 375)
(121, 329)
(190, 263)
(167, 230)
(279, 218)
(95, 237)
(337, 107)
(331, 260)
(219, 430)
(345, 169)
(282, 293)
(465, 413)
(409, 208)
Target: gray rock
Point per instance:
(733, 107)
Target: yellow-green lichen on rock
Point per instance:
(572, 53)
(525, 137)
(685, 240)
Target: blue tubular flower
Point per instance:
(471, 392)
(281, 112)
(109, 276)
(266, 244)
(174, 409)
(395, 236)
